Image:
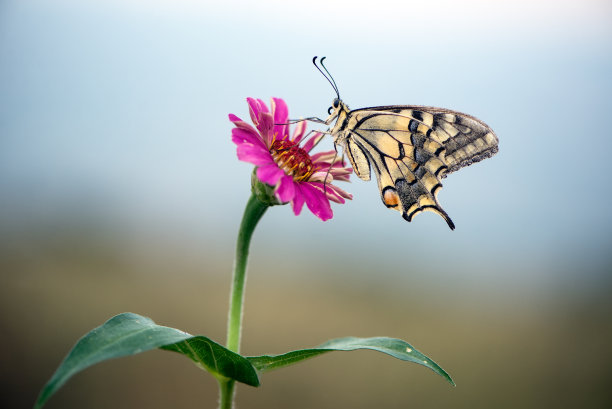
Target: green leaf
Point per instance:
(390, 346)
(216, 359)
(129, 334)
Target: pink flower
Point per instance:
(296, 175)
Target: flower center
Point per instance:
(294, 160)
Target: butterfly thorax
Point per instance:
(340, 115)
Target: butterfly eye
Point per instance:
(329, 111)
(336, 103)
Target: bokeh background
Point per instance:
(120, 191)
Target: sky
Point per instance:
(113, 114)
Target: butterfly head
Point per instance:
(336, 110)
(335, 105)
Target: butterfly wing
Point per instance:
(466, 139)
(411, 149)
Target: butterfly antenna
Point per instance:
(333, 84)
(330, 76)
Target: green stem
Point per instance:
(252, 214)
(227, 393)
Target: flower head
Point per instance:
(281, 162)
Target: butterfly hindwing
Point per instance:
(410, 149)
(358, 159)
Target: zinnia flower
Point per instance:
(295, 175)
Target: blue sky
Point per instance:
(116, 112)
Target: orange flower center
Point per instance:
(294, 160)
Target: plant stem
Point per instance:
(226, 388)
(252, 214)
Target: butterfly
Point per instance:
(409, 148)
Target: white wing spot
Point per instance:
(408, 349)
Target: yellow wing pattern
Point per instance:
(411, 149)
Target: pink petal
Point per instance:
(240, 136)
(270, 174)
(281, 115)
(328, 191)
(281, 111)
(312, 141)
(342, 178)
(239, 123)
(286, 190)
(298, 133)
(340, 164)
(262, 106)
(336, 194)
(335, 199)
(326, 157)
(254, 154)
(298, 199)
(342, 193)
(341, 173)
(321, 176)
(345, 176)
(234, 118)
(254, 110)
(317, 202)
(266, 126)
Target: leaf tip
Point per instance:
(40, 401)
(450, 380)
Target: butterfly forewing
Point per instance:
(466, 139)
(410, 148)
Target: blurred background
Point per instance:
(120, 191)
